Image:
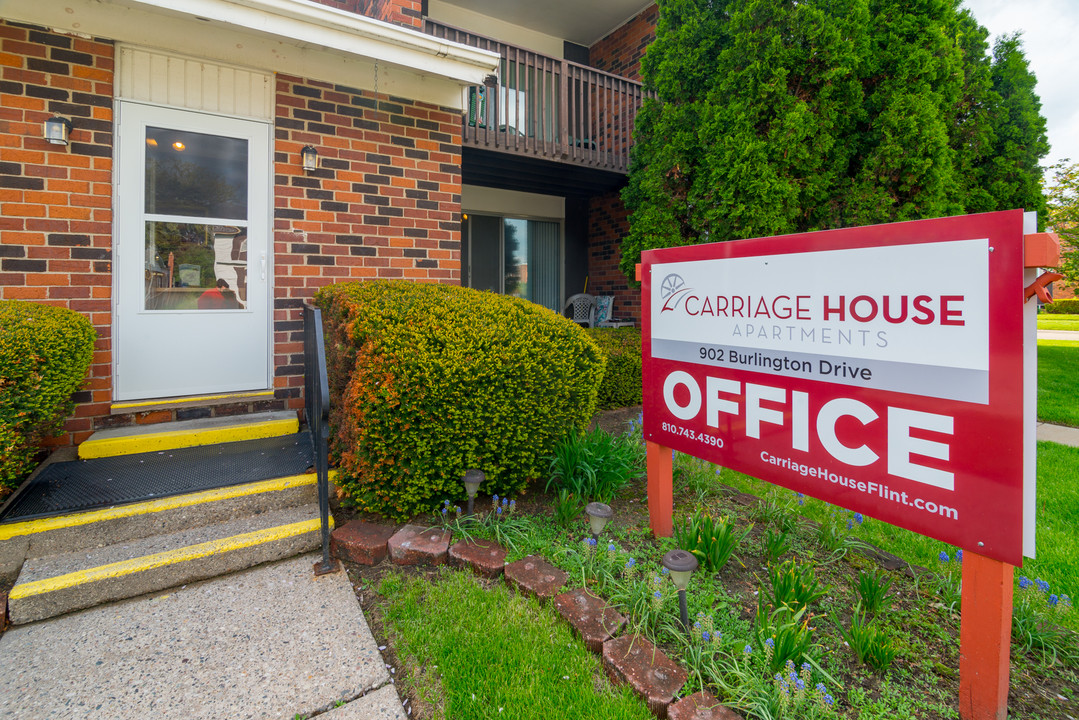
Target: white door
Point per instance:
(191, 254)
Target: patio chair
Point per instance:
(604, 311)
(581, 308)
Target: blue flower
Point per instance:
(445, 510)
(820, 687)
(943, 557)
(498, 510)
(1053, 600)
(513, 504)
(850, 525)
(591, 542)
(495, 499)
(611, 547)
(664, 571)
(719, 470)
(778, 678)
(829, 700)
(859, 518)
(697, 626)
(1024, 582)
(798, 684)
(505, 502)
(446, 503)
(770, 642)
(806, 666)
(748, 649)
(959, 555)
(630, 563)
(1042, 585)
(658, 595)
(1066, 600)
(705, 636)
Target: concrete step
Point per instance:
(125, 523)
(57, 584)
(188, 433)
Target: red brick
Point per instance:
(360, 542)
(701, 706)
(417, 545)
(655, 677)
(535, 577)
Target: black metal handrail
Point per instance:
(317, 408)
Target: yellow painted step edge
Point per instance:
(169, 557)
(31, 527)
(192, 399)
(173, 440)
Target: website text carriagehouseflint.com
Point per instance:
(869, 488)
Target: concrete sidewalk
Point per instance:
(270, 642)
(1058, 335)
(1062, 434)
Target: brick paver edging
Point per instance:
(628, 659)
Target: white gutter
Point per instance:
(297, 37)
(305, 21)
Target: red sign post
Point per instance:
(879, 368)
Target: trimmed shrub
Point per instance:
(621, 386)
(1069, 306)
(44, 354)
(428, 381)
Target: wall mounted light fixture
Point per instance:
(57, 130)
(309, 158)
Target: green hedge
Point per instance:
(427, 381)
(621, 386)
(44, 354)
(1063, 307)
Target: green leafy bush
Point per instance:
(44, 354)
(621, 385)
(1063, 307)
(427, 381)
(595, 465)
(711, 540)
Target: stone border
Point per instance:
(627, 659)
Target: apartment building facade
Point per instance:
(187, 174)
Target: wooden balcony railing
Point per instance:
(547, 107)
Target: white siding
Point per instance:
(163, 79)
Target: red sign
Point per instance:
(877, 368)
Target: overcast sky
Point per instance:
(1051, 42)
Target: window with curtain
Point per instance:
(515, 256)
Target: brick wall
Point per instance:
(621, 51)
(399, 12)
(607, 225)
(56, 201)
(386, 202)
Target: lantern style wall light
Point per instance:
(598, 515)
(472, 480)
(57, 130)
(309, 158)
(681, 565)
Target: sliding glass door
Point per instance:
(515, 256)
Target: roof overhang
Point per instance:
(297, 37)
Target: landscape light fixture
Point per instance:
(681, 565)
(598, 515)
(472, 480)
(309, 158)
(57, 130)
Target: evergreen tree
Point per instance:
(1010, 173)
(783, 116)
(1063, 201)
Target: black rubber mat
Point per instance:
(89, 484)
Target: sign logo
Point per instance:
(672, 290)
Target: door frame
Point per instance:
(121, 182)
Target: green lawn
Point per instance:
(1047, 321)
(490, 653)
(1058, 381)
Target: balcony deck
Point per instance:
(548, 108)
